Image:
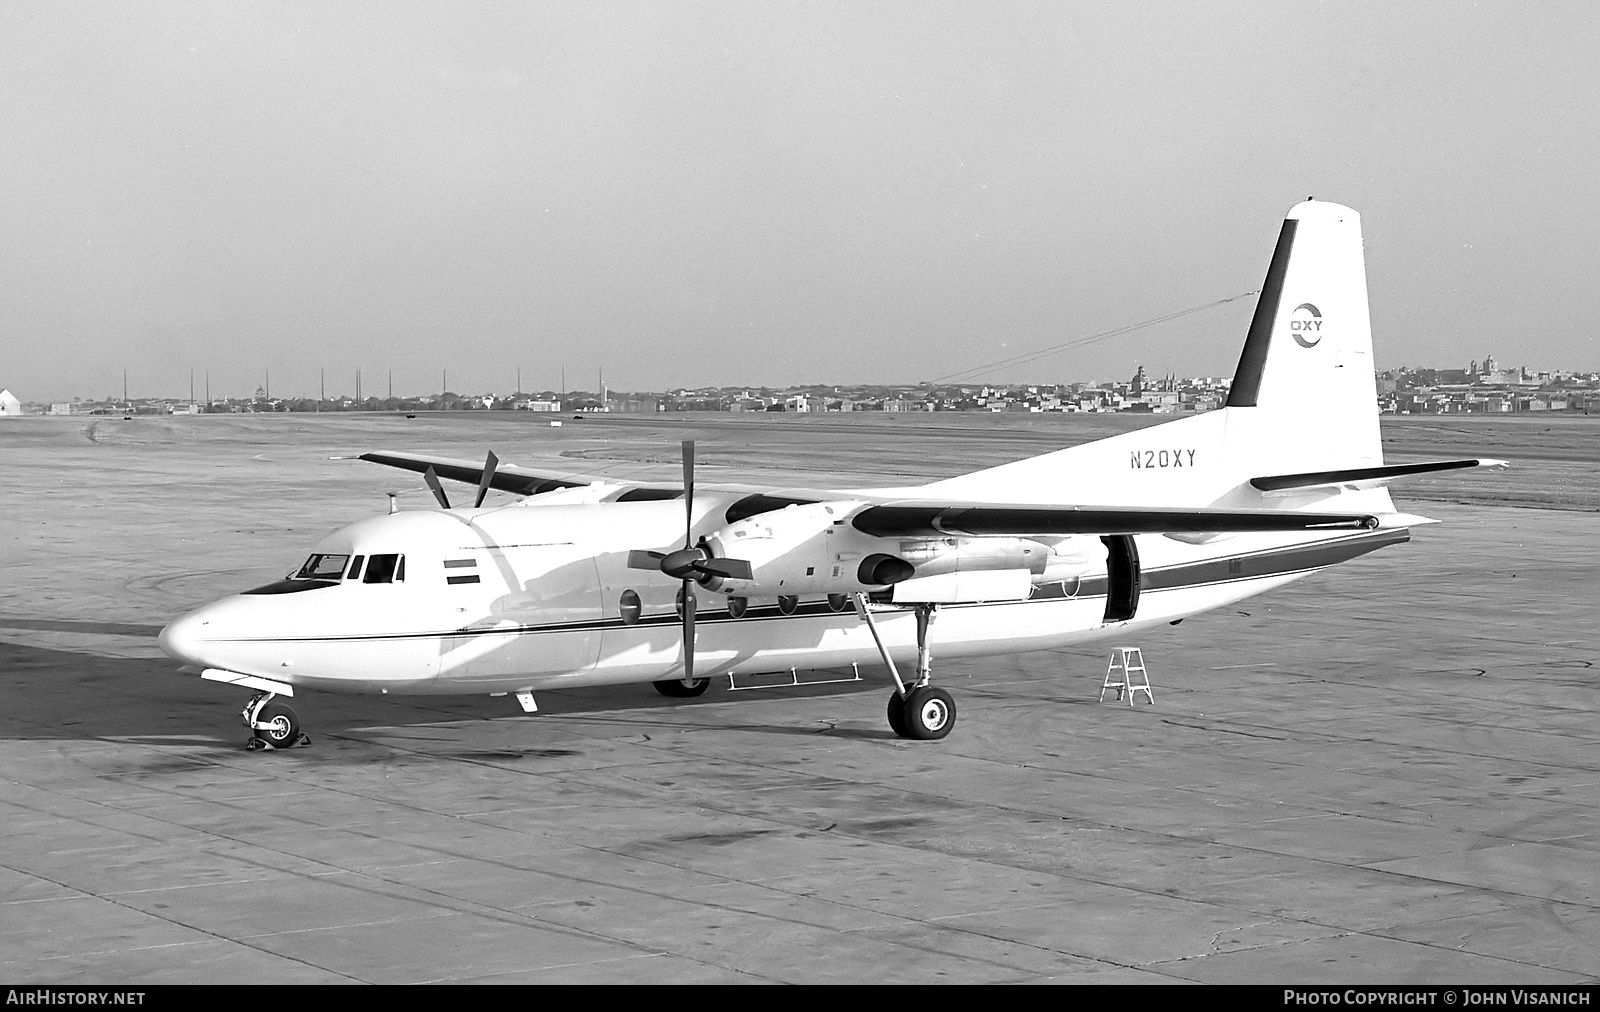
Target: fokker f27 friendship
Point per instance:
(589, 582)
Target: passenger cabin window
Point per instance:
(630, 607)
(322, 567)
(385, 569)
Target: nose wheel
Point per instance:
(272, 724)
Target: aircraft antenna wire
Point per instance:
(978, 371)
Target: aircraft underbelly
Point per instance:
(369, 664)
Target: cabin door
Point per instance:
(1122, 577)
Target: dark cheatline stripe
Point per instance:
(1272, 562)
(1247, 378)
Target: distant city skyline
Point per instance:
(790, 191)
(1489, 370)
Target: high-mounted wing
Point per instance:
(505, 477)
(905, 519)
(1365, 477)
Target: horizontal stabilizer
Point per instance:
(1396, 521)
(946, 519)
(1365, 477)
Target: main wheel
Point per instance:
(283, 725)
(897, 714)
(929, 714)
(675, 688)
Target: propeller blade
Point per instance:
(438, 489)
(733, 569)
(688, 630)
(688, 491)
(638, 559)
(489, 464)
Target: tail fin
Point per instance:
(1304, 391)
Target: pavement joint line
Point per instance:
(647, 860)
(552, 925)
(332, 871)
(428, 915)
(176, 923)
(1342, 864)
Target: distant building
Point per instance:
(10, 407)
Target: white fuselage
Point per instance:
(530, 596)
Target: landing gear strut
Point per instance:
(920, 711)
(272, 724)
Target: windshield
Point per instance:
(322, 567)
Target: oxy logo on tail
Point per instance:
(1305, 325)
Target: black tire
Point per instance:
(285, 725)
(929, 714)
(675, 688)
(897, 714)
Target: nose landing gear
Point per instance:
(272, 724)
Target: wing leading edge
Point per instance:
(976, 520)
(1365, 477)
(505, 477)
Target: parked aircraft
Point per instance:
(592, 582)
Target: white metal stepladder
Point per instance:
(1126, 662)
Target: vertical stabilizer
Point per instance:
(1304, 391)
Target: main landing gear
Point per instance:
(921, 711)
(272, 724)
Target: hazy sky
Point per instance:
(769, 193)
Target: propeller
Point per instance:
(692, 564)
(490, 464)
(438, 490)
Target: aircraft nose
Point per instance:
(184, 639)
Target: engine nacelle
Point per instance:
(988, 569)
(813, 549)
(805, 549)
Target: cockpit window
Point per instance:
(355, 567)
(322, 567)
(385, 569)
